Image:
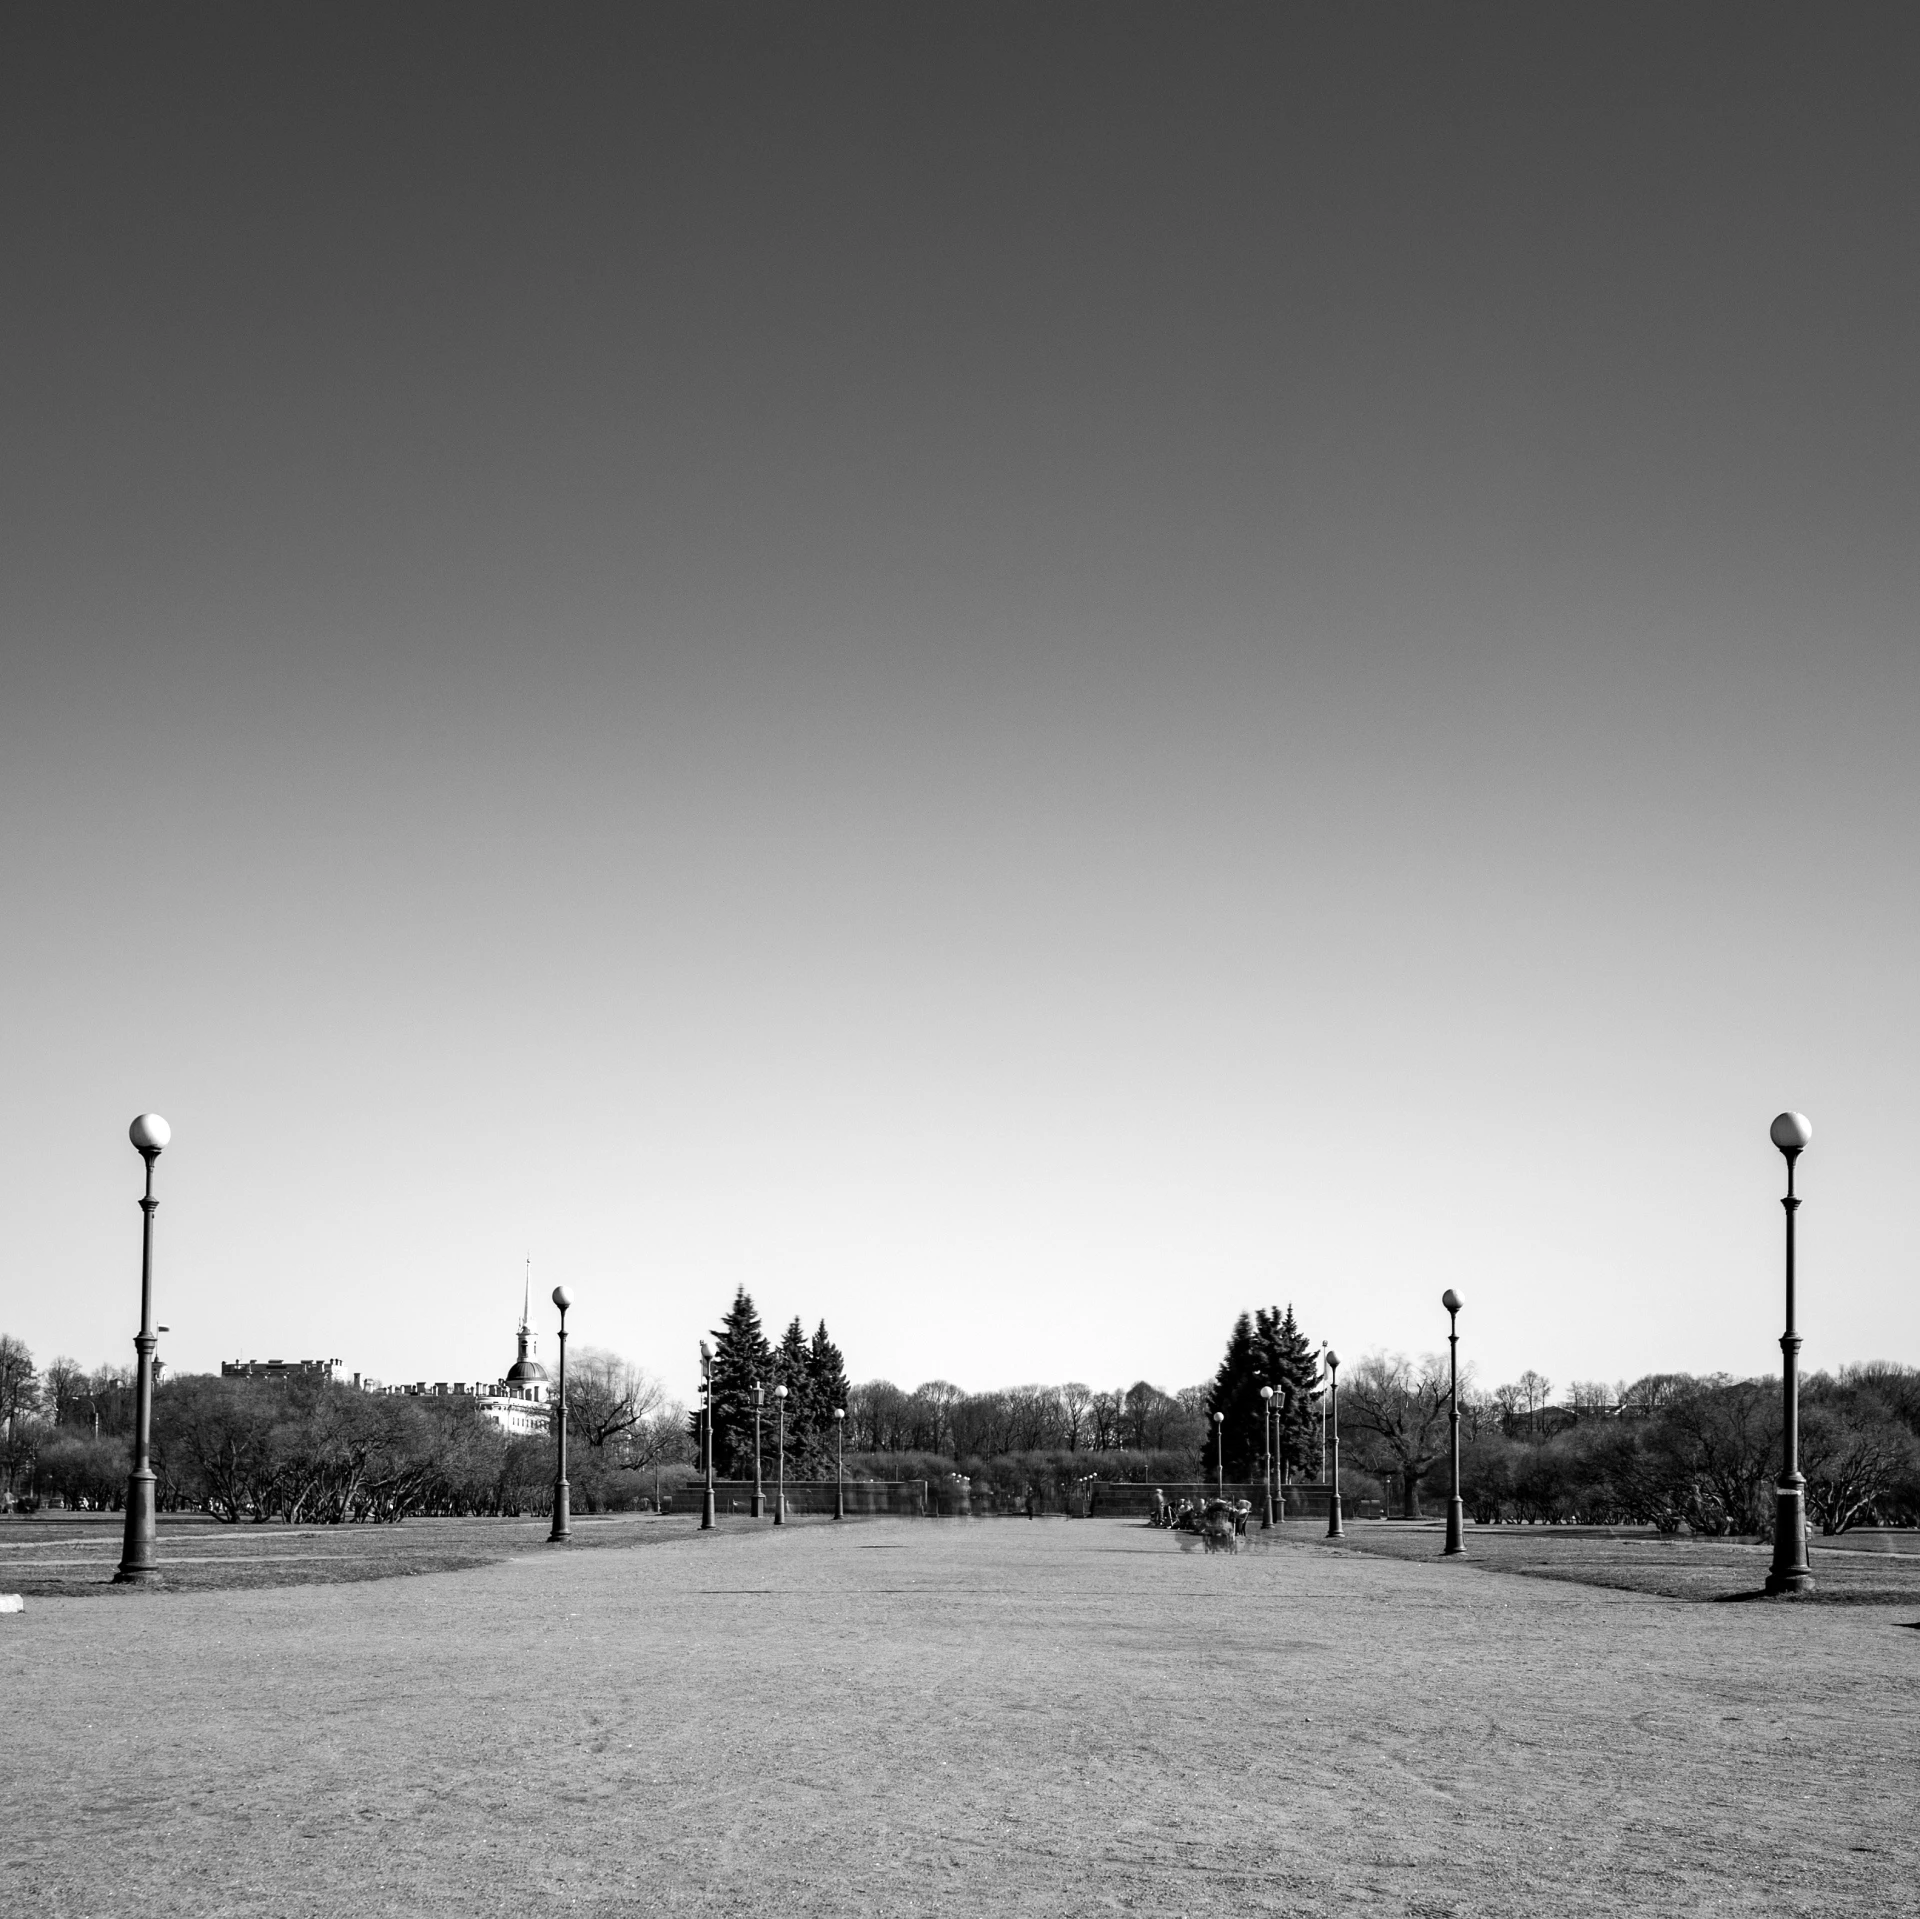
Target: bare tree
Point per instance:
(1403, 1408)
(933, 1405)
(1852, 1457)
(19, 1400)
(1075, 1402)
(607, 1396)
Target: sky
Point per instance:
(1020, 676)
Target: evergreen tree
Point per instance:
(741, 1359)
(1236, 1393)
(1288, 1364)
(826, 1389)
(790, 1371)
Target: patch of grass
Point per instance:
(1665, 1566)
(74, 1556)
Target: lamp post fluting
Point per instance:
(840, 1462)
(1456, 1512)
(150, 1135)
(1220, 1454)
(706, 1433)
(1791, 1573)
(759, 1496)
(1266, 1439)
(1334, 1528)
(780, 1485)
(562, 1496)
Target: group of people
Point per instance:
(1205, 1517)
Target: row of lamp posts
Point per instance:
(1791, 1573)
(757, 1506)
(1276, 1509)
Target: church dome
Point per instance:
(524, 1369)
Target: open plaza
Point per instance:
(950, 1717)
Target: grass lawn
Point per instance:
(1845, 1573)
(53, 1554)
(928, 1717)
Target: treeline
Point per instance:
(940, 1421)
(1670, 1450)
(312, 1452)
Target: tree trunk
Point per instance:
(1410, 1492)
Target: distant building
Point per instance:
(522, 1402)
(279, 1369)
(519, 1403)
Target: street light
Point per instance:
(1456, 1513)
(840, 1462)
(1791, 1574)
(780, 1488)
(1220, 1454)
(759, 1498)
(1266, 1438)
(1322, 1397)
(706, 1432)
(1334, 1528)
(562, 1497)
(150, 1135)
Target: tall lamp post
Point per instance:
(840, 1462)
(1456, 1513)
(706, 1432)
(780, 1486)
(150, 1134)
(1220, 1454)
(1334, 1528)
(1322, 1397)
(1791, 1572)
(759, 1497)
(1266, 1437)
(562, 1497)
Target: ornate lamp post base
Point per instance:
(136, 1558)
(1791, 1573)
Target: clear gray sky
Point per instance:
(1022, 675)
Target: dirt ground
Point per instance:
(927, 1717)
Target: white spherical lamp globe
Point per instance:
(562, 1298)
(779, 1392)
(150, 1133)
(1791, 1132)
(1266, 1392)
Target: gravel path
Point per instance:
(943, 1718)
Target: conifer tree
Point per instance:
(1288, 1364)
(790, 1371)
(741, 1357)
(826, 1389)
(1236, 1393)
